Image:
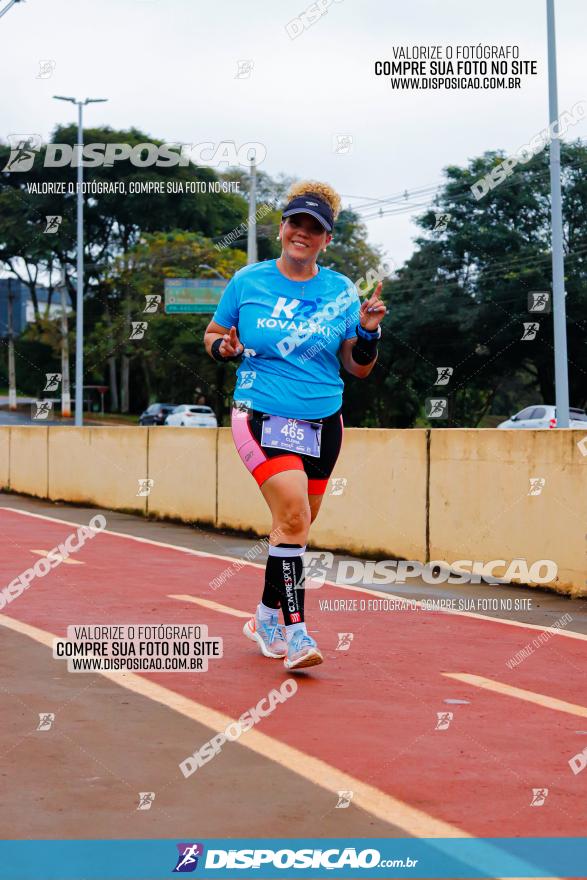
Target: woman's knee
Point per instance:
(294, 517)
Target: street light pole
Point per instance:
(79, 306)
(11, 369)
(220, 368)
(252, 224)
(65, 388)
(6, 8)
(558, 265)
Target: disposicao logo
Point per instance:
(188, 857)
(25, 147)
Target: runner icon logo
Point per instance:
(152, 302)
(46, 68)
(242, 408)
(444, 374)
(441, 221)
(539, 795)
(246, 379)
(344, 799)
(537, 484)
(338, 485)
(244, 68)
(189, 854)
(436, 407)
(539, 301)
(342, 145)
(53, 222)
(53, 381)
(42, 409)
(444, 719)
(531, 329)
(23, 149)
(146, 799)
(316, 566)
(46, 719)
(344, 641)
(139, 328)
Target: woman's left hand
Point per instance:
(372, 310)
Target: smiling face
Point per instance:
(302, 238)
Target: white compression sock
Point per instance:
(294, 627)
(265, 613)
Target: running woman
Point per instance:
(290, 321)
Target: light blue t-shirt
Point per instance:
(292, 332)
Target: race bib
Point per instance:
(295, 435)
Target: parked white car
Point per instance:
(188, 416)
(543, 415)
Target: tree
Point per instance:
(170, 360)
(462, 299)
(349, 252)
(113, 222)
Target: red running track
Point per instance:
(370, 711)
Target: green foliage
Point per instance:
(169, 360)
(113, 222)
(349, 252)
(462, 298)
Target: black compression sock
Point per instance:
(284, 576)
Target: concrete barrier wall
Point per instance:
(481, 506)
(451, 494)
(182, 465)
(28, 460)
(4, 458)
(382, 508)
(100, 466)
(240, 503)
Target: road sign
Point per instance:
(195, 295)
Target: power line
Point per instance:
(496, 272)
(405, 203)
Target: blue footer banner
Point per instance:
(285, 857)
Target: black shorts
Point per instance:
(263, 461)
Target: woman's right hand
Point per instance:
(231, 345)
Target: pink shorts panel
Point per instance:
(247, 447)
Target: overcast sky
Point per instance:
(169, 68)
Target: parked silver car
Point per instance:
(192, 416)
(543, 415)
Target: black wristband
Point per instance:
(364, 351)
(215, 352)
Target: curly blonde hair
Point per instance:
(315, 188)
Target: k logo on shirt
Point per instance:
(282, 305)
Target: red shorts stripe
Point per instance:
(317, 487)
(276, 465)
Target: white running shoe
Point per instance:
(269, 635)
(302, 651)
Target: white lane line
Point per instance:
(213, 606)
(508, 690)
